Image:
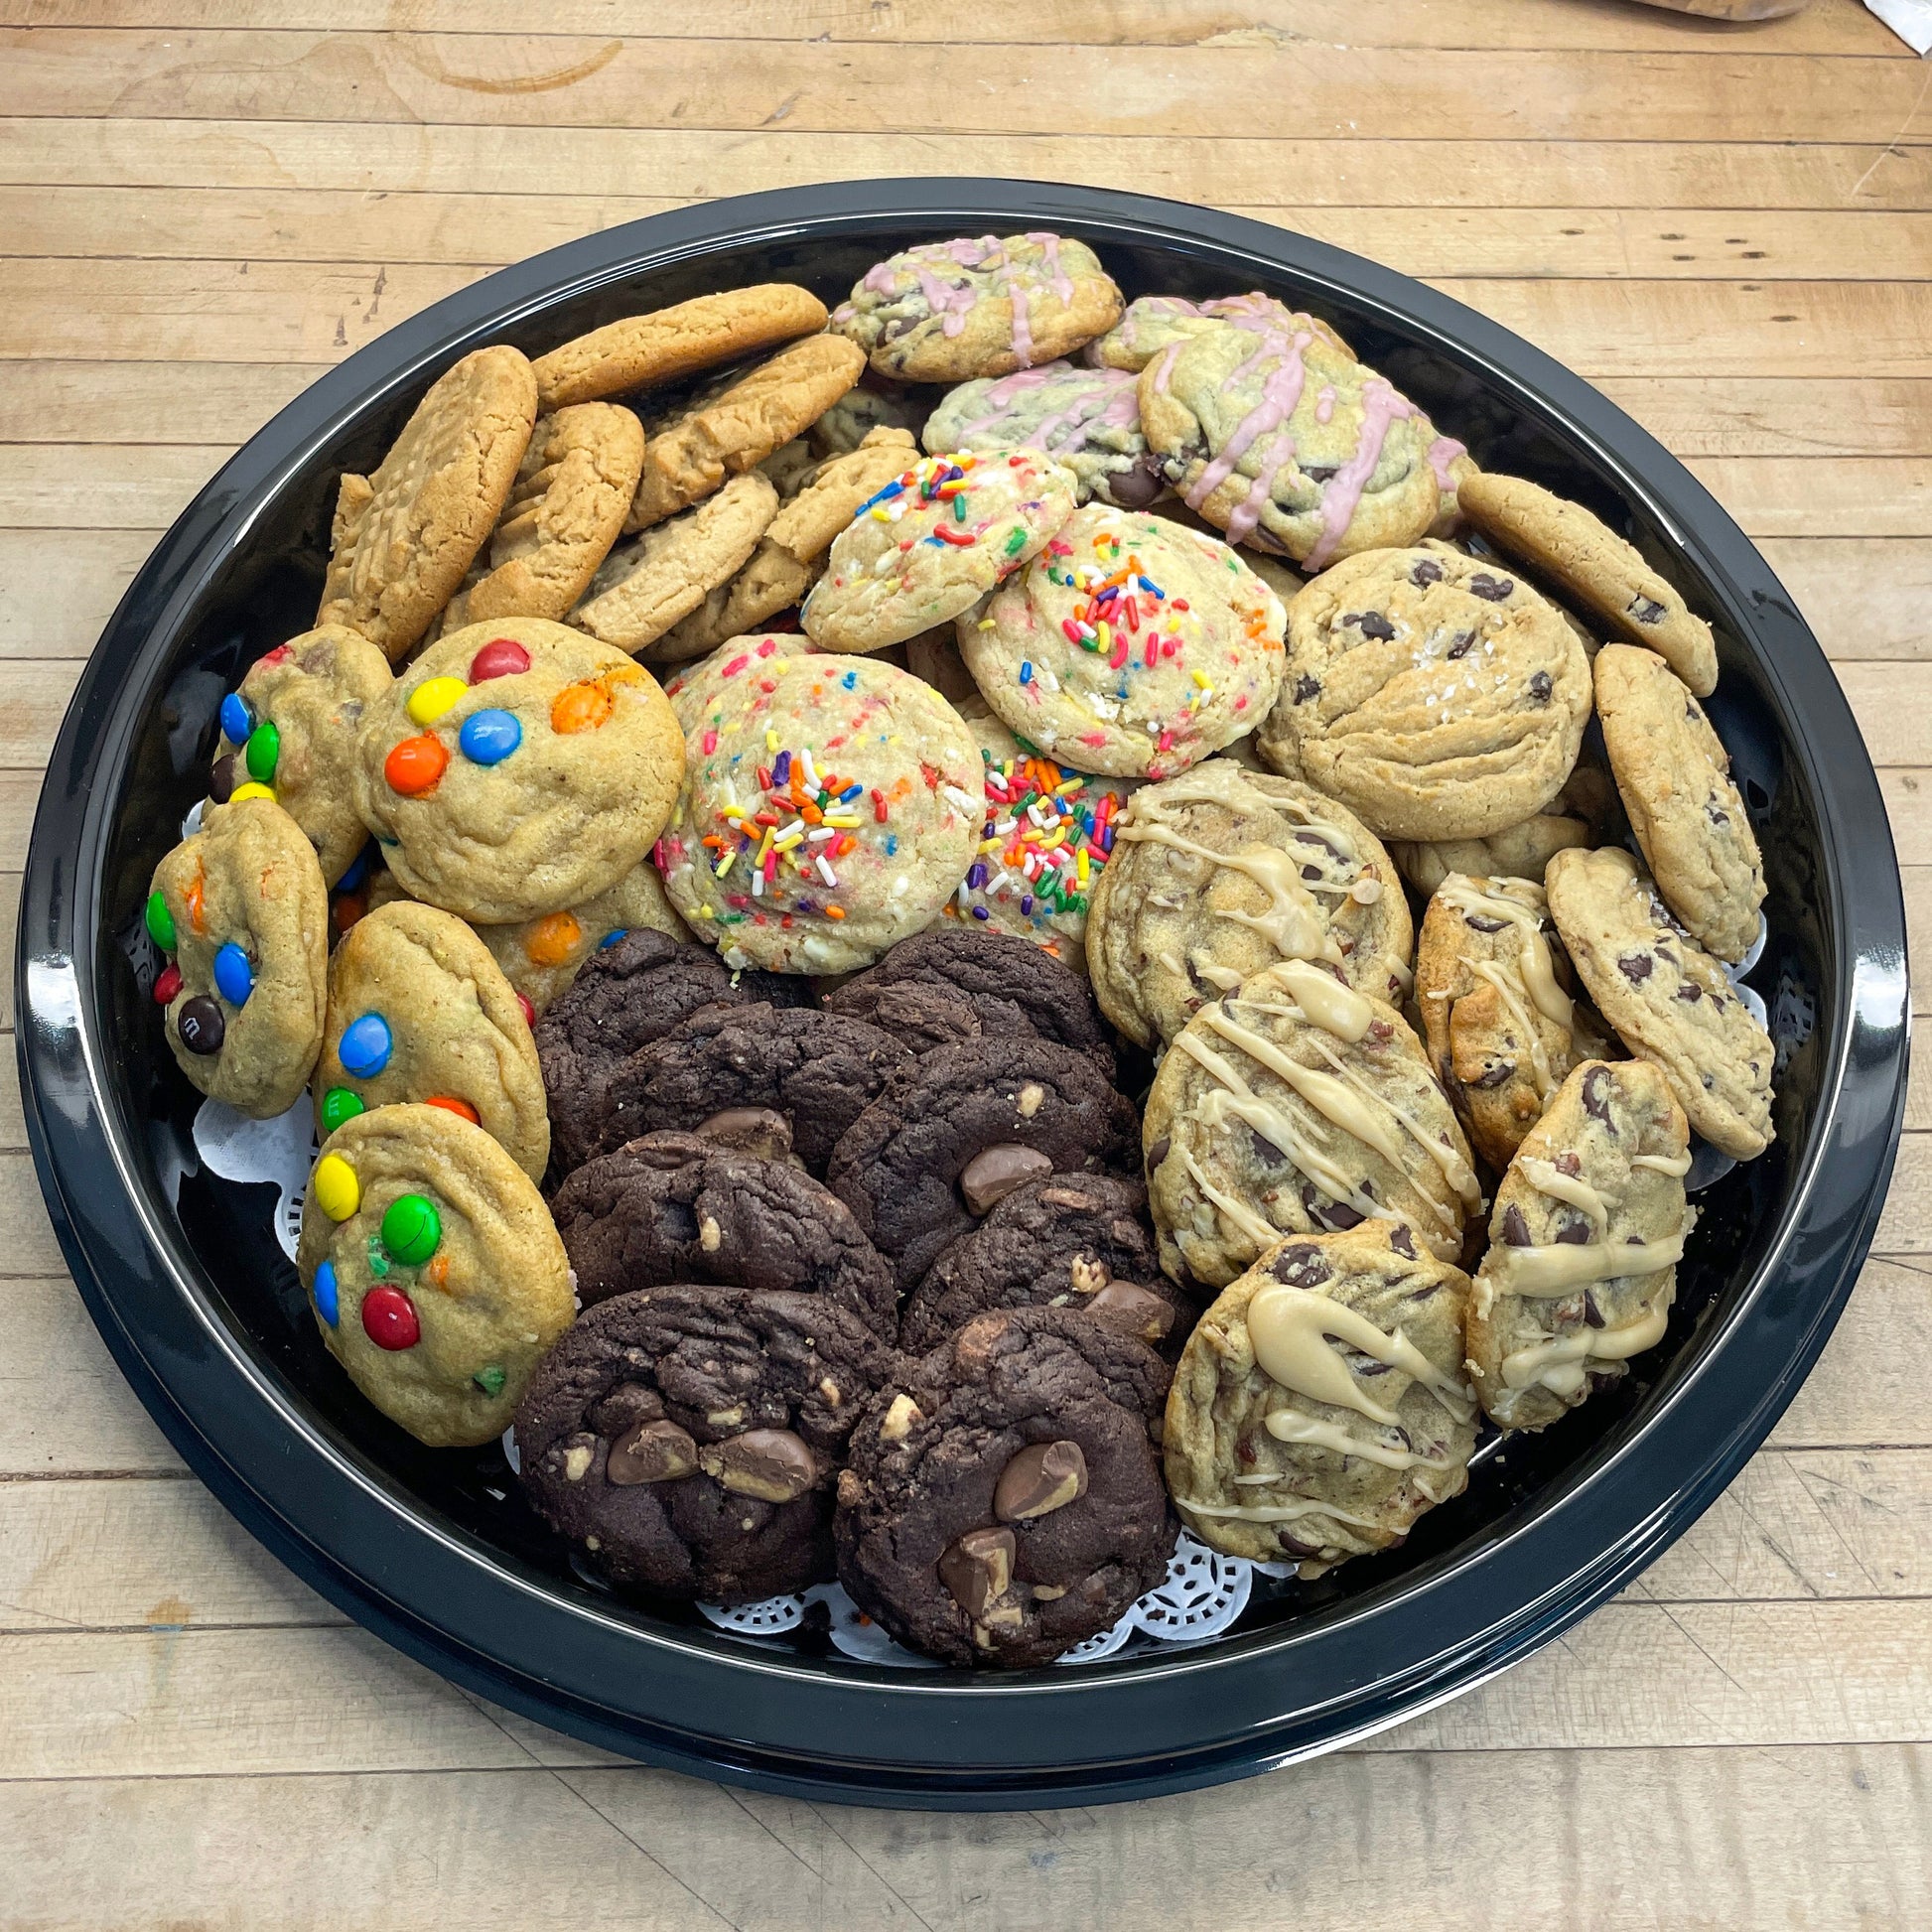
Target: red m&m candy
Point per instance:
(500, 657)
(389, 1318)
(168, 985)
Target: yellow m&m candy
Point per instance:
(336, 1188)
(433, 697)
(251, 791)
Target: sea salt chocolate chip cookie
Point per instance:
(687, 1440)
(419, 1011)
(953, 310)
(1131, 645)
(932, 543)
(567, 509)
(517, 767)
(404, 537)
(970, 1124)
(1296, 1106)
(1587, 1230)
(668, 345)
(436, 1277)
(687, 1207)
(829, 809)
(1675, 779)
(622, 1000)
(1068, 1241)
(1151, 323)
(1501, 1030)
(1519, 851)
(1436, 696)
(645, 588)
(290, 729)
(1319, 1407)
(1088, 419)
(240, 908)
(1593, 563)
(1224, 870)
(540, 957)
(1279, 438)
(733, 429)
(1003, 1502)
(1667, 999)
(817, 1071)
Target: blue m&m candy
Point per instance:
(611, 937)
(234, 976)
(358, 869)
(238, 721)
(365, 1046)
(490, 736)
(328, 1305)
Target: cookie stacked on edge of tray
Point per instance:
(953, 1084)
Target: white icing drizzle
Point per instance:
(1263, 1233)
(1547, 1179)
(1550, 1273)
(1335, 1007)
(1674, 1165)
(1289, 1330)
(1509, 984)
(1558, 1364)
(1290, 1512)
(1213, 972)
(1455, 1171)
(1290, 1425)
(1521, 903)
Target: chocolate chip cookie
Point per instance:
(1224, 870)
(1675, 779)
(940, 1146)
(1003, 1501)
(1151, 323)
(1297, 1106)
(687, 1440)
(706, 1208)
(1067, 1241)
(1588, 1227)
(1321, 1408)
(1435, 695)
(1667, 999)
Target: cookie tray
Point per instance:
(183, 1275)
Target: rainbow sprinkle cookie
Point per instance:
(1131, 645)
(830, 807)
(932, 543)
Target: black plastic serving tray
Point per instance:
(436, 1552)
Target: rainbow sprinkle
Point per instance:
(806, 821)
(1046, 834)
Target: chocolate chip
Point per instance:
(1646, 610)
(1493, 1076)
(1427, 571)
(1575, 1231)
(1482, 922)
(1541, 687)
(1516, 1230)
(994, 1172)
(1715, 815)
(1302, 1266)
(200, 1025)
(759, 1131)
(1492, 590)
(1043, 1477)
(1568, 1162)
(771, 1464)
(1635, 967)
(1375, 624)
(978, 1569)
(628, 1404)
(1131, 1311)
(222, 781)
(1321, 472)
(652, 1452)
(1402, 1241)
(1690, 990)
(1331, 1216)
(1461, 647)
(1306, 687)
(1592, 1315)
(1159, 1152)
(1311, 872)
(1596, 1089)
(1266, 1152)
(1136, 487)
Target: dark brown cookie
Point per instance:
(1002, 1502)
(687, 1438)
(625, 997)
(974, 1122)
(682, 1208)
(1012, 985)
(820, 1070)
(1074, 1242)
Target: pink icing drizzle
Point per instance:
(1118, 409)
(1381, 406)
(1325, 402)
(1058, 277)
(1442, 453)
(1163, 369)
(1281, 390)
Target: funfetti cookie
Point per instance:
(516, 768)
(950, 311)
(404, 537)
(1279, 438)
(433, 1269)
(830, 806)
(1129, 646)
(287, 732)
(419, 1011)
(932, 542)
(240, 909)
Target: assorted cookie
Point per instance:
(732, 1082)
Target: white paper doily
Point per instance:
(281, 1150)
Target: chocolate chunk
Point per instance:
(1375, 624)
(1266, 1152)
(200, 1025)
(1691, 991)
(1331, 1216)
(993, 1173)
(1306, 687)
(1480, 922)
(222, 781)
(1302, 1266)
(1592, 1315)
(1043, 1477)
(1646, 610)
(1136, 487)
(1321, 472)
(628, 1404)
(1493, 1076)
(1403, 1242)
(1427, 572)
(1715, 815)
(1492, 590)
(1159, 1152)
(1568, 1162)
(652, 1452)
(978, 1569)
(762, 1131)
(1132, 1310)
(1379, 1033)
(1596, 1087)
(1516, 1230)
(1541, 687)
(1575, 1231)
(1461, 646)
(771, 1464)
(1313, 872)
(1635, 967)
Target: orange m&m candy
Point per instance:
(580, 708)
(552, 939)
(452, 1105)
(415, 765)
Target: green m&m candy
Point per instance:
(411, 1228)
(263, 749)
(339, 1105)
(161, 922)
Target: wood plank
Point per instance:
(487, 229)
(30, 1245)
(1909, 803)
(636, 1851)
(38, 691)
(1864, 596)
(1338, 89)
(57, 589)
(115, 487)
(1234, 169)
(1866, 496)
(1772, 416)
(1832, 27)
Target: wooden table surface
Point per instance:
(204, 202)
